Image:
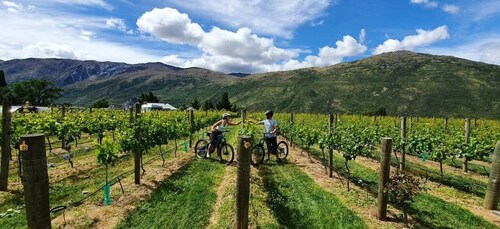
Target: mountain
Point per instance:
(401, 83)
(64, 72)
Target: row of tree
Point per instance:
(223, 104)
(38, 92)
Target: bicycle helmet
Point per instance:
(226, 115)
(269, 112)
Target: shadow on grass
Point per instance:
(297, 202)
(427, 211)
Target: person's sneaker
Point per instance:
(219, 158)
(207, 155)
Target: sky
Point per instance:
(247, 36)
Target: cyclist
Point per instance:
(270, 132)
(217, 129)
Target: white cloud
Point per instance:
(485, 48)
(426, 3)
(423, 38)
(450, 8)
(484, 9)
(170, 25)
(89, 3)
(272, 17)
(362, 36)
(52, 50)
(33, 34)
(13, 7)
(222, 49)
(116, 23)
(346, 47)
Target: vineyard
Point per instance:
(330, 178)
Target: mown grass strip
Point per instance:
(428, 211)
(184, 200)
(297, 202)
(260, 215)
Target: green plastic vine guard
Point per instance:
(424, 157)
(185, 147)
(107, 198)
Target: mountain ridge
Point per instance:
(402, 83)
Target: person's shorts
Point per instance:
(272, 143)
(216, 138)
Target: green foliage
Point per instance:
(101, 103)
(38, 92)
(196, 103)
(148, 98)
(106, 154)
(402, 188)
(3, 83)
(208, 105)
(224, 103)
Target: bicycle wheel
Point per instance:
(201, 148)
(282, 150)
(226, 153)
(258, 154)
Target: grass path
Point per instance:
(185, 200)
(427, 211)
(358, 199)
(224, 215)
(297, 202)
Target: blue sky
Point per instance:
(250, 36)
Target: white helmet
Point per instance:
(226, 115)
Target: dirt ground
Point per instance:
(92, 214)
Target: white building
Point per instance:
(157, 106)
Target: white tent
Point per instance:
(157, 106)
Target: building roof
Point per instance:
(162, 106)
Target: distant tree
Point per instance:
(381, 111)
(224, 103)
(4, 90)
(208, 105)
(38, 92)
(101, 103)
(3, 83)
(195, 104)
(148, 98)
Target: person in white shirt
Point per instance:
(270, 133)
(217, 129)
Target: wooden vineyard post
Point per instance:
(291, 125)
(243, 181)
(446, 123)
(36, 180)
(63, 113)
(403, 144)
(243, 115)
(138, 152)
(191, 128)
(384, 178)
(4, 166)
(330, 150)
(467, 138)
(131, 114)
(493, 191)
(90, 110)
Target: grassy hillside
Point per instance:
(404, 83)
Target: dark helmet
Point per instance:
(269, 112)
